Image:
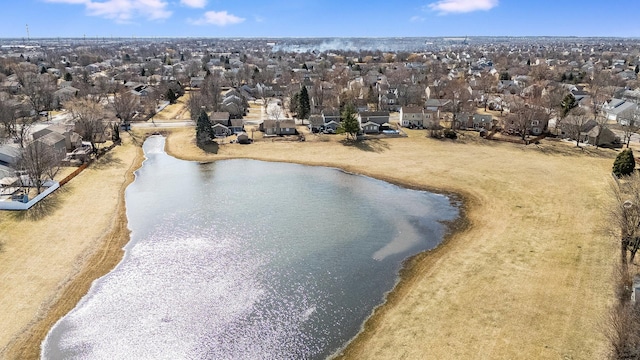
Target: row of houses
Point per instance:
(371, 122)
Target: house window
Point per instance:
(535, 123)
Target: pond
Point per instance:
(244, 259)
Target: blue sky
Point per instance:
(315, 18)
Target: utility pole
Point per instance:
(28, 37)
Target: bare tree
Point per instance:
(39, 90)
(196, 103)
(632, 127)
(625, 214)
(38, 161)
(526, 116)
(89, 121)
(8, 116)
(460, 96)
(125, 105)
(552, 101)
(211, 91)
(575, 123)
(274, 111)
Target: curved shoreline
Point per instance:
(106, 256)
(577, 325)
(99, 260)
(412, 267)
(504, 264)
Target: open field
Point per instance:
(528, 274)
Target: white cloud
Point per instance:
(194, 3)
(123, 10)
(462, 6)
(416, 19)
(219, 18)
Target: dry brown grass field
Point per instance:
(50, 254)
(527, 274)
(177, 111)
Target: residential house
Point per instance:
(370, 128)
(221, 117)
(10, 86)
(329, 115)
(389, 100)
(63, 95)
(7, 176)
(379, 117)
(361, 105)
(236, 126)
(536, 126)
(72, 140)
(606, 137)
(619, 110)
(54, 143)
(278, 127)
(220, 130)
(475, 121)
(416, 117)
(437, 105)
(589, 132)
(10, 154)
(333, 125)
(196, 81)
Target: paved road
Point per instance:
(163, 124)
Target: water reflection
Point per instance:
(243, 259)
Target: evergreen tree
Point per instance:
(171, 96)
(624, 163)
(349, 122)
(569, 102)
(181, 57)
(203, 128)
(505, 76)
(43, 70)
(68, 77)
(304, 106)
(115, 134)
(637, 70)
(294, 104)
(371, 96)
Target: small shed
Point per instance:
(243, 138)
